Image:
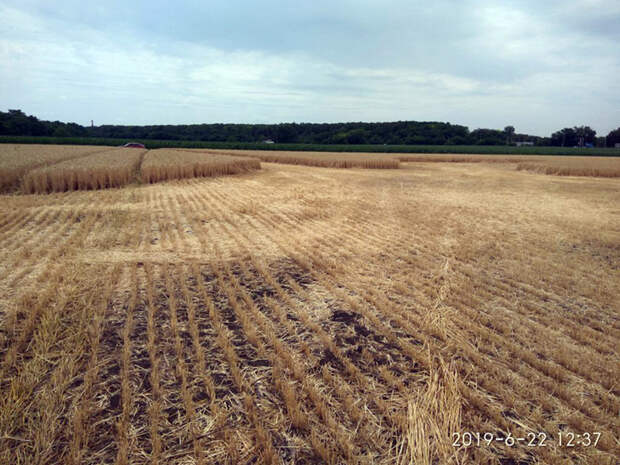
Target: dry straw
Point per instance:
(16, 160)
(113, 168)
(321, 159)
(161, 165)
(581, 166)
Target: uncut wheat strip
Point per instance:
(263, 437)
(123, 426)
(113, 168)
(25, 158)
(161, 165)
(500, 418)
(543, 168)
(319, 159)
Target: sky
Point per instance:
(539, 66)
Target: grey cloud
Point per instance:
(478, 63)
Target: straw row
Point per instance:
(16, 160)
(319, 159)
(113, 168)
(162, 165)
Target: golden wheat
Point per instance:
(307, 315)
(162, 165)
(601, 167)
(16, 160)
(319, 159)
(113, 168)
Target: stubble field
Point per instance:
(313, 315)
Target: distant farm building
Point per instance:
(524, 143)
(268, 141)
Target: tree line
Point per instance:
(17, 123)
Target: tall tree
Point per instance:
(613, 138)
(510, 132)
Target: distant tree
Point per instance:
(573, 137)
(285, 133)
(613, 138)
(585, 135)
(566, 137)
(509, 131)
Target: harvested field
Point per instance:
(112, 168)
(465, 158)
(164, 164)
(601, 167)
(16, 160)
(320, 159)
(310, 316)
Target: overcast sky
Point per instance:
(537, 65)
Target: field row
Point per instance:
(561, 166)
(44, 169)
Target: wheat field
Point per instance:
(300, 315)
(17, 159)
(575, 166)
(164, 164)
(111, 168)
(318, 159)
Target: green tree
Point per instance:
(510, 132)
(613, 138)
